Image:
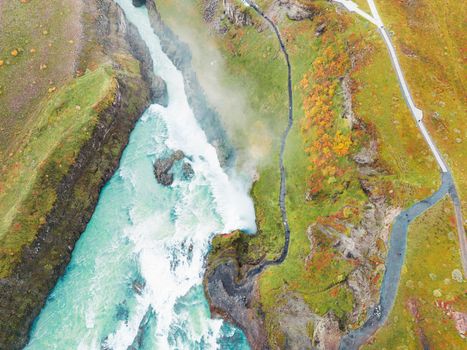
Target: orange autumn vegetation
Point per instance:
(327, 143)
(324, 143)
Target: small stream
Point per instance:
(135, 277)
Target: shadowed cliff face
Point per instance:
(24, 291)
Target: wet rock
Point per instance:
(143, 328)
(138, 286)
(139, 3)
(187, 171)
(161, 171)
(235, 302)
(159, 91)
(163, 167)
(178, 155)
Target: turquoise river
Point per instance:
(135, 278)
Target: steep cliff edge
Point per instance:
(112, 52)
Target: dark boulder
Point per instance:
(188, 171)
(163, 167)
(139, 3)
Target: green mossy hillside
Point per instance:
(30, 177)
(431, 289)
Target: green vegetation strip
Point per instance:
(30, 175)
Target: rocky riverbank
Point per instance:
(25, 290)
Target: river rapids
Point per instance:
(135, 278)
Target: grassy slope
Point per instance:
(57, 110)
(432, 256)
(65, 122)
(253, 59)
(46, 36)
(430, 38)
(46, 113)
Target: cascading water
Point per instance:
(135, 277)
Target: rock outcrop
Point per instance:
(234, 301)
(237, 15)
(163, 168)
(297, 11)
(327, 333)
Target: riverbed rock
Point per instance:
(139, 3)
(187, 171)
(163, 167)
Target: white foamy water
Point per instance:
(135, 276)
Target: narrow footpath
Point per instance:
(283, 190)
